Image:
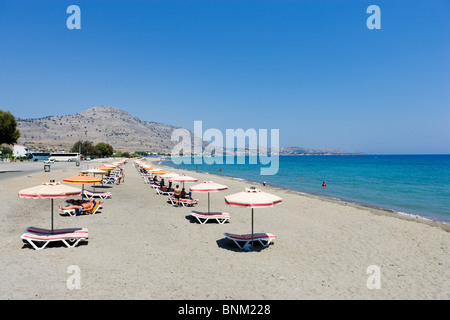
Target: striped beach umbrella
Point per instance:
(208, 186)
(49, 190)
(253, 198)
(183, 178)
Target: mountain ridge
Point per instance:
(118, 128)
(97, 124)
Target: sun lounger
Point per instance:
(101, 195)
(263, 238)
(188, 202)
(109, 180)
(154, 185)
(184, 202)
(77, 212)
(40, 241)
(167, 193)
(55, 231)
(203, 217)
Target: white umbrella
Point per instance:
(208, 186)
(169, 175)
(253, 198)
(52, 190)
(183, 178)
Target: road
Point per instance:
(10, 170)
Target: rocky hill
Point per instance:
(98, 124)
(118, 128)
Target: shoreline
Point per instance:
(442, 224)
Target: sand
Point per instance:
(141, 247)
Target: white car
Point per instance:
(49, 161)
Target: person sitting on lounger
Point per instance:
(85, 206)
(183, 194)
(78, 202)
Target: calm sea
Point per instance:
(408, 184)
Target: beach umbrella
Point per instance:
(104, 168)
(183, 178)
(83, 179)
(169, 175)
(253, 198)
(51, 190)
(94, 172)
(208, 186)
(160, 172)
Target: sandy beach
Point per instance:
(141, 247)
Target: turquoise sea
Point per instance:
(407, 184)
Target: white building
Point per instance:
(20, 151)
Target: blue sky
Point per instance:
(309, 68)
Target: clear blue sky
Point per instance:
(309, 68)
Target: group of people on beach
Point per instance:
(178, 193)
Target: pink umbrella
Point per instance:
(208, 186)
(253, 198)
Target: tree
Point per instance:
(6, 151)
(103, 149)
(8, 128)
(87, 147)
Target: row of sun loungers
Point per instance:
(40, 238)
(241, 240)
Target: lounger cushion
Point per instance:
(56, 231)
(45, 237)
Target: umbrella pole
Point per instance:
(208, 202)
(252, 228)
(52, 213)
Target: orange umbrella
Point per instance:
(104, 168)
(83, 179)
(159, 172)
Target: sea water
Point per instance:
(407, 184)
